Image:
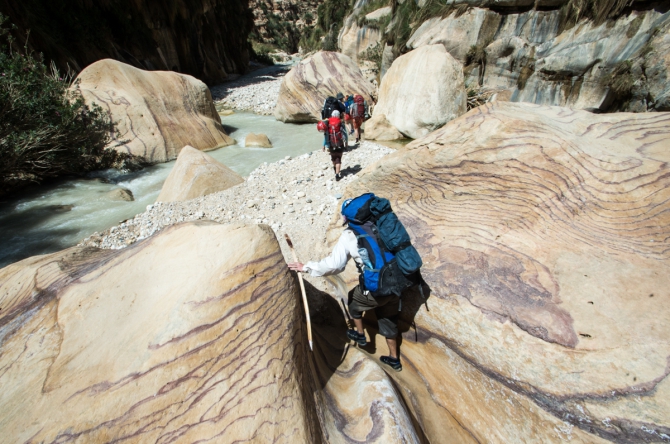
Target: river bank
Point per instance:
(296, 196)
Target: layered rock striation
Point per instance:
(183, 337)
(544, 236)
(206, 39)
(155, 113)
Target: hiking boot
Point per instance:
(394, 363)
(338, 177)
(359, 338)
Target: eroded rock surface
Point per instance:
(183, 337)
(306, 86)
(422, 91)
(544, 235)
(196, 174)
(379, 128)
(531, 54)
(156, 112)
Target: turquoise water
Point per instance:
(60, 215)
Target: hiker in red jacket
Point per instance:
(357, 111)
(336, 142)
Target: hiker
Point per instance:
(334, 104)
(384, 274)
(348, 102)
(358, 111)
(336, 142)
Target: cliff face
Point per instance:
(612, 60)
(281, 22)
(204, 38)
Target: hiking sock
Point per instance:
(394, 363)
(357, 337)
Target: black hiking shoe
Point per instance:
(338, 177)
(359, 338)
(394, 363)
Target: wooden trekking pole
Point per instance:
(302, 289)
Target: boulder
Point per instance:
(422, 91)
(257, 140)
(226, 112)
(121, 194)
(196, 174)
(181, 337)
(544, 233)
(156, 113)
(379, 128)
(304, 89)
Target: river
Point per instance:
(60, 215)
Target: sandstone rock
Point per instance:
(379, 128)
(226, 112)
(422, 91)
(156, 113)
(544, 234)
(181, 337)
(257, 140)
(307, 85)
(196, 174)
(121, 194)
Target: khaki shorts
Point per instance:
(386, 309)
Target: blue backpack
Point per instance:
(390, 262)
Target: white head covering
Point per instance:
(336, 113)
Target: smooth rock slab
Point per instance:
(423, 90)
(182, 337)
(545, 235)
(196, 174)
(156, 113)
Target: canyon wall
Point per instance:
(204, 38)
(618, 61)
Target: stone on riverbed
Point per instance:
(156, 112)
(184, 335)
(196, 174)
(121, 194)
(544, 233)
(307, 85)
(379, 128)
(257, 140)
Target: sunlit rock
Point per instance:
(156, 113)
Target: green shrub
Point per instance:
(620, 80)
(598, 11)
(330, 18)
(46, 129)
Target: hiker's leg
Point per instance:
(336, 157)
(387, 318)
(359, 303)
(393, 347)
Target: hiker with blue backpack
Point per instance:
(387, 263)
